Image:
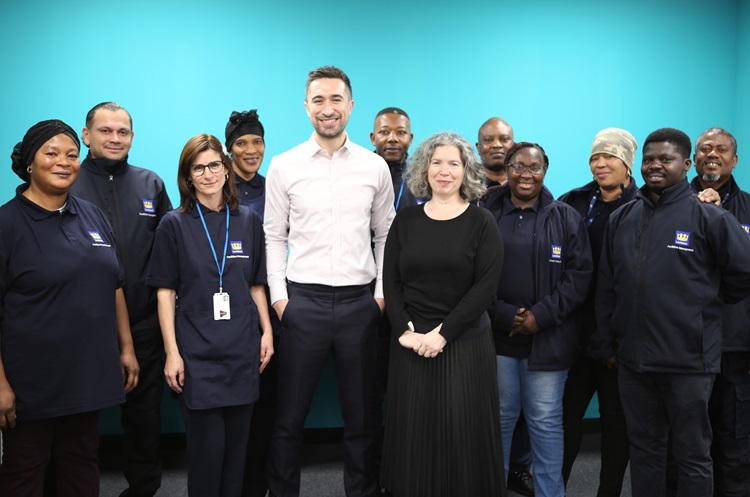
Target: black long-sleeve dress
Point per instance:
(442, 433)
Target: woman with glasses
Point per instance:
(208, 264)
(546, 274)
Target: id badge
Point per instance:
(221, 306)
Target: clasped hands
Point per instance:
(427, 345)
(524, 323)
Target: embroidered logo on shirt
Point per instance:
(556, 252)
(682, 238)
(148, 206)
(236, 247)
(746, 227)
(98, 240)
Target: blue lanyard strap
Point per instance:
(400, 192)
(213, 250)
(589, 218)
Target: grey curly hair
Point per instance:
(415, 176)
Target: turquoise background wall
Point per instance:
(557, 71)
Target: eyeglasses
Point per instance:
(518, 168)
(215, 167)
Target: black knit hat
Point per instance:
(36, 136)
(242, 123)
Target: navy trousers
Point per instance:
(317, 321)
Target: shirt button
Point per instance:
(520, 217)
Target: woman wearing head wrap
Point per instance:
(546, 276)
(209, 255)
(245, 145)
(611, 163)
(62, 313)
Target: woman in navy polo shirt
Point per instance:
(62, 311)
(208, 264)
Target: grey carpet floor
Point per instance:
(322, 473)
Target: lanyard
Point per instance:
(589, 218)
(400, 192)
(213, 250)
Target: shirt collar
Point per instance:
(39, 213)
(316, 151)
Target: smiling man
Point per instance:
(134, 200)
(391, 136)
(329, 205)
(668, 264)
(715, 159)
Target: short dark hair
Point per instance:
(521, 145)
(106, 106)
(678, 138)
(328, 72)
(392, 110)
(719, 131)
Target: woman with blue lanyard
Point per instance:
(611, 165)
(208, 264)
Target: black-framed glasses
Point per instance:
(215, 167)
(519, 168)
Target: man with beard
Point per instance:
(729, 406)
(329, 205)
(668, 264)
(134, 200)
(494, 141)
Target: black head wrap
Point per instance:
(240, 124)
(36, 136)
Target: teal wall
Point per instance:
(557, 71)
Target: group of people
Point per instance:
(457, 289)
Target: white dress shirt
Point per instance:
(327, 213)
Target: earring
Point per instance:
(226, 177)
(28, 169)
(190, 183)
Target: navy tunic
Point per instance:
(221, 357)
(59, 273)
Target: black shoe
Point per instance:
(521, 482)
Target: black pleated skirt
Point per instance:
(442, 428)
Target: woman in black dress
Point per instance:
(442, 265)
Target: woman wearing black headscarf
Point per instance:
(62, 313)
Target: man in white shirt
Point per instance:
(328, 203)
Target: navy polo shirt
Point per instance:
(252, 193)
(58, 276)
(517, 282)
(221, 357)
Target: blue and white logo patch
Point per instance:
(746, 227)
(236, 247)
(682, 238)
(96, 237)
(148, 206)
(556, 252)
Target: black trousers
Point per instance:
(729, 411)
(141, 418)
(216, 448)
(586, 377)
(654, 404)
(317, 321)
(264, 415)
(71, 442)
